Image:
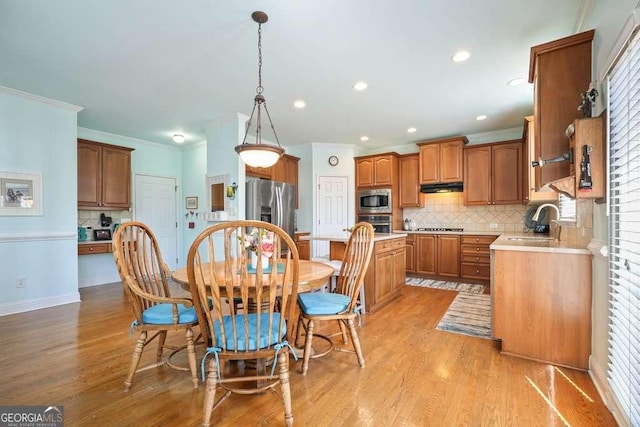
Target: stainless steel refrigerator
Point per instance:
(271, 201)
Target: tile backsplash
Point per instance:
(448, 210)
(91, 219)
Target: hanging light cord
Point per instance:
(259, 100)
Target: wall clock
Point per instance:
(333, 160)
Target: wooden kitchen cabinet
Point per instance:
(541, 305)
(285, 170)
(409, 176)
(377, 171)
(441, 160)
(475, 257)
(410, 253)
(304, 246)
(560, 71)
(530, 192)
(386, 275)
(438, 255)
(94, 248)
(104, 176)
(493, 174)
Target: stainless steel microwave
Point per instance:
(374, 201)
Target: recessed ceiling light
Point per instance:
(516, 82)
(412, 130)
(481, 117)
(360, 86)
(178, 138)
(364, 138)
(463, 55)
(299, 104)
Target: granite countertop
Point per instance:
(461, 233)
(503, 243)
(344, 237)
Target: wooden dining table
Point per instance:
(312, 275)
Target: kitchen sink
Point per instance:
(531, 238)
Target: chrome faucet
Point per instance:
(557, 228)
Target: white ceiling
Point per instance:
(150, 68)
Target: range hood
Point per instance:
(446, 187)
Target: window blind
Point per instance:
(624, 233)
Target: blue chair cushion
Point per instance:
(162, 314)
(252, 339)
(323, 303)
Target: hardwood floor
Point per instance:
(77, 355)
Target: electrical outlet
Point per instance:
(21, 282)
(493, 225)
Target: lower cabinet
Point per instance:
(438, 255)
(385, 276)
(410, 253)
(304, 246)
(476, 257)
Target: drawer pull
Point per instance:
(477, 271)
(477, 258)
(477, 249)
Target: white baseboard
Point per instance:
(37, 304)
(599, 378)
(98, 280)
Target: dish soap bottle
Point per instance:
(406, 224)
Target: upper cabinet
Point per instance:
(441, 160)
(560, 71)
(285, 170)
(104, 176)
(531, 194)
(409, 173)
(493, 174)
(380, 170)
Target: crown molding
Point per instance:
(41, 99)
(112, 138)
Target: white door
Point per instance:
(331, 210)
(155, 205)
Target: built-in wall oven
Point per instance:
(374, 201)
(381, 223)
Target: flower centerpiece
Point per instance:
(262, 239)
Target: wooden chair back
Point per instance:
(355, 262)
(219, 269)
(144, 274)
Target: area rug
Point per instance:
(468, 314)
(449, 286)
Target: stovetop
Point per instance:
(439, 229)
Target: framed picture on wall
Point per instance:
(20, 194)
(191, 202)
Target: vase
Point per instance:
(254, 261)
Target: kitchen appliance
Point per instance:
(442, 187)
(272, 202)
(381, 223)
(374, 201)
(439, 229)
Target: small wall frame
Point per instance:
(191, 202)
(20, 194)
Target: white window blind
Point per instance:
(624, 232)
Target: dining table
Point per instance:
(312, 275)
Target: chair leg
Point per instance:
(135, 360)
(307, 347)
(301, 326)
(356, 342)
(162, 337)
(343, 330)
(191, 354)
(283, 374)
(210, 392)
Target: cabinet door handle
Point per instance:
(478, 258)
(477, 271)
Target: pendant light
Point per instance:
(259, 154)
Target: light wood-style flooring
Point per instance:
(78, 355)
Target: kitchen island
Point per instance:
(385, 276)
(541, 299)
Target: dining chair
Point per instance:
(341, 304)
(219, 269)
(146, 279)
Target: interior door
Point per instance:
(331, 211)
(156, 206)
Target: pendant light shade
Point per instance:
(259, 154)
